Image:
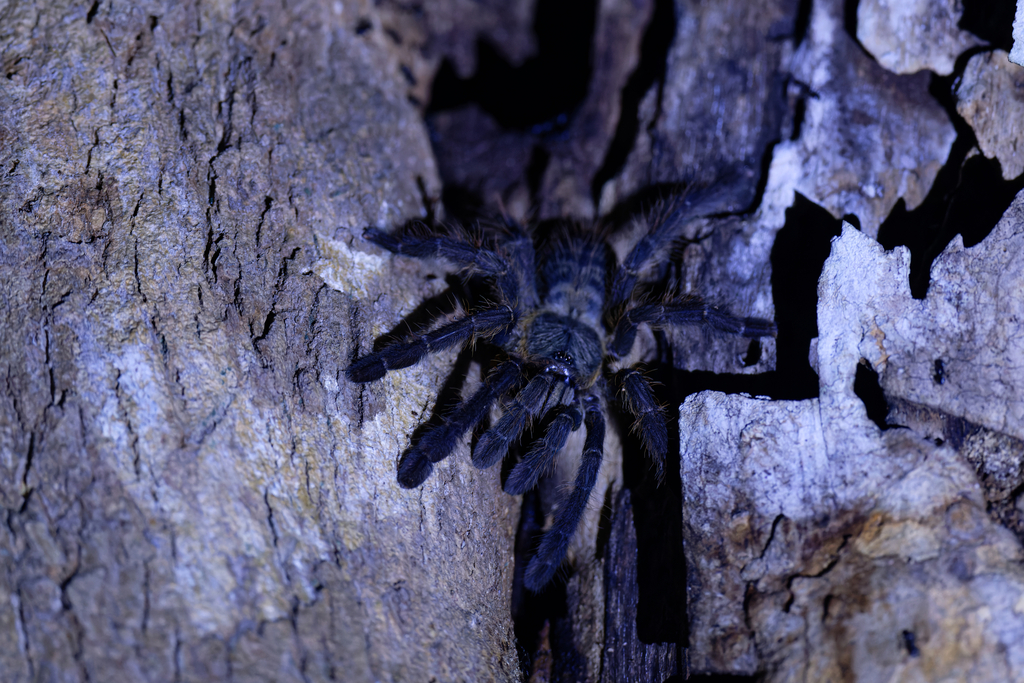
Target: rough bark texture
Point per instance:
(1017, 53)
(721, 105)
(823, 547)
(626, 657)
(868, 137)
(990, 97)
(191, 489)
(907, 37)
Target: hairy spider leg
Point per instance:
(513, 288)
(524, 475)
(556, 540)
(527, 404)
(703, 202)
(487, 323)
(519, 250)
(438, 443)
(689, 312)
(637, 396)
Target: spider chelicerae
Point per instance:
(563, 322)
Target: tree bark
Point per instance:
(191, 489)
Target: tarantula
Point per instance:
(564, 335)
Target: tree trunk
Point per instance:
(192, 490)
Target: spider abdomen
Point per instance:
(572, 279)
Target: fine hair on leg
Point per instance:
(637, 397)
(482, 324)
(527, 404)
(692, 311)
(477, 260)
(524, 475)
(702, 202)
(555, 542)
(437, 444)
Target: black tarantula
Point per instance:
(564, 335)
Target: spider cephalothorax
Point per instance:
(563, 324)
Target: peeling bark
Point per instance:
(991, 100)
(823, 546)
(907, 37)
